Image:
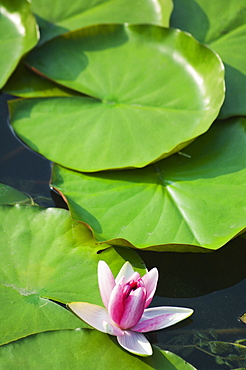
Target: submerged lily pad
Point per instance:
(223, 29)
(45, 257)
(9, 195)
(151, 94)
(90, 349)
(66, 17)
(19, 34)
(190, 200)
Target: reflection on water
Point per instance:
(213, 284)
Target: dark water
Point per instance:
(213, 284)
(20, 167)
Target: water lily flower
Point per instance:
(126, 315)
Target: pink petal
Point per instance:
(135, 343)
(126, 270)
(116, 302)
(106, 282)
(95, 316)
(133, 308)
(150, 281)
(161, 317)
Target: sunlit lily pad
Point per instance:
(223, 28)
(90, 349)
(66, 17)
(159, 99)
(9, 195)
(46, 256)
(19, 34)
(192, 199)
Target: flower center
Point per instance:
(132, 285)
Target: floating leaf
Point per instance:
(194, 198)
(66, 17)
(70, 349)
(226, 34)
(153, 104)
(46, 256)
(9, 195)
(19, 34)
(27, 84)
(242, 318)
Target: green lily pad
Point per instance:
(223, 29)
(125, 123)
(45, 256)
(90, 349)
(230, 48)
(19, 34)
(28, 84)
(190, 200)
(8, 195)
(66, 17)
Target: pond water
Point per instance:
(213, 284)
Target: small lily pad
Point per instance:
(242, 318)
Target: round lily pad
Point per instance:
(152, 91)
(192, 200)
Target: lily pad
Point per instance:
(71, 349)
(9, 195)
(45, 257)
(28, 84)
(19, 34)
(194, 199)
(242, 318)
(68, 17)
(141, 110)
(223, 29)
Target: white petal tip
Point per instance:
(136, 343)
(102, 265)
(126, 270)
(190, 311)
